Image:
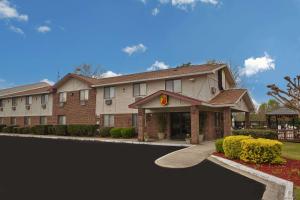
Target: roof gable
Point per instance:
(88, 80)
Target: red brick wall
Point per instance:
(73, 110)
(123, 120)
(152, 125)
(35, 120)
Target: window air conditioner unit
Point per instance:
(61, 104)
(1, 109)
(108, 102)
(83, 103)
(13, 108)
(44, 106)
(27, 107)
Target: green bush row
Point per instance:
(257, 133)
(122, 132)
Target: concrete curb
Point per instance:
(288, 185)
(124, 141)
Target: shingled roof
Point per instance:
(161, 74)
(230, 96)
(41, 90)
(283, 111)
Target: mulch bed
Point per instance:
(288, 171)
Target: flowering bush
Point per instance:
(232, 146)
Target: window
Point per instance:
(43, 120)
(27, 121)
(62, 97)
(173, 85)
(1, 120)
(221, 79)
(109, 121)
(134, 120)
(109, 92)
(14, 102)
(1, 103)
(84, 95)
(28, 100)
(62, 120)
(44, 99)
(13, 121)
(139, 89)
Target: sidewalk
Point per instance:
(100, 139)
(187, 157)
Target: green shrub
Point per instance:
(1, 127)
(104, 131)
(219, 145)
(128, 132)
(25, 130)
(82, 130)
(261, 151)
(41, 129)
(115, 132)
(232, 146)
(60, 130)
(257, 133)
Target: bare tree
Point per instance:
(290, 97)
(89, 70)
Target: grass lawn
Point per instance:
(297, 192)
(291, 150)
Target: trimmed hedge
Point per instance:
(128, 132)
(261, 151)
(115, 132)
(104, 131)
(232, 146)
(1, 127)
(59, 130)
(219, 145)
(257, 133)
(8, 129)
(82, 130)
(41, 129)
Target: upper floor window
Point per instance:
(221, 80)
(44, 99)
(109, 92)
(109, 121)
(1, 103)
(28, 100)
(14, 102)
(173, 85)
(84, 95)
(139, 89)
(62, 120)
(27, 121)
(62, 97)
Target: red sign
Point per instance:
(163, 100)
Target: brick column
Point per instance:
(141, 123)
(194, 125)
(247, 120)
(211, 129)
(227, 121)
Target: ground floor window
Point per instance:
(134, 120)
(27, 121)
(62, 120)
(109, 120)
(43, 120)
(1, 120)
(13, 121)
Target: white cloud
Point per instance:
(158, 65)
(134, 49)
(8, 11)
(43, 29)
(48, 81)
(253, 65)
(16, 30)
(155, 11)
(143, 1)
(256, 104)
(109, 74)
(185, 4)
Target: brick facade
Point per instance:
(34, 120)
(73, 110)
(227, 121)
(194, 125)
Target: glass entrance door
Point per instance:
(180, 125)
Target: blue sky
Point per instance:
(38, 39)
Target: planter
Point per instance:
(161, 136)
(201, 138)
